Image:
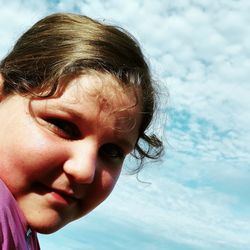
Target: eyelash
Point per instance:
(64, 128)
(111, 152)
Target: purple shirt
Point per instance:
(14, 232)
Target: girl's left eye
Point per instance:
(111, 152)
(66, 129)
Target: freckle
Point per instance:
(105, 105)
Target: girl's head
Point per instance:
(76, 97)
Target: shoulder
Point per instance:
(6, 197)
(12, 227)
(12, 224)
(9, 209)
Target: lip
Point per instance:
(58, 196)
(62, 197)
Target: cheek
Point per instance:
(109, 179)
(26, 157)
(105, 182)
(101, 188)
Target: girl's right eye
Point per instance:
(64, 128)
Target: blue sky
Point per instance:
(198, 198)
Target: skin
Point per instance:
(62, 156)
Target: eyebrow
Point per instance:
(75, 113)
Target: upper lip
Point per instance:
(65, 190)
(65, 193)
(68, 194)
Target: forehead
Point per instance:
(104, 95)
(104, 89)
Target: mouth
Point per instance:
(57, 196)
(62, 197)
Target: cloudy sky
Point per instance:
(199, 52)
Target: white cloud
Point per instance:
(16, 16)
(200, 50)
(172, 211)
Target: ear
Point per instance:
(1, 79)
(1, 87)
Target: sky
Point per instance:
(197, 196)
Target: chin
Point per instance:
(46, 228)
(46, 224)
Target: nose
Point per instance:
(82, 162)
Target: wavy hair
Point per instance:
(65, 44)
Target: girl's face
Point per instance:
(61, 156)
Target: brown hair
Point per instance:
(65, 44)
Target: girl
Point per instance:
(76, 98)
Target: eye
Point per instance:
(111, 152)
(64, 128)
